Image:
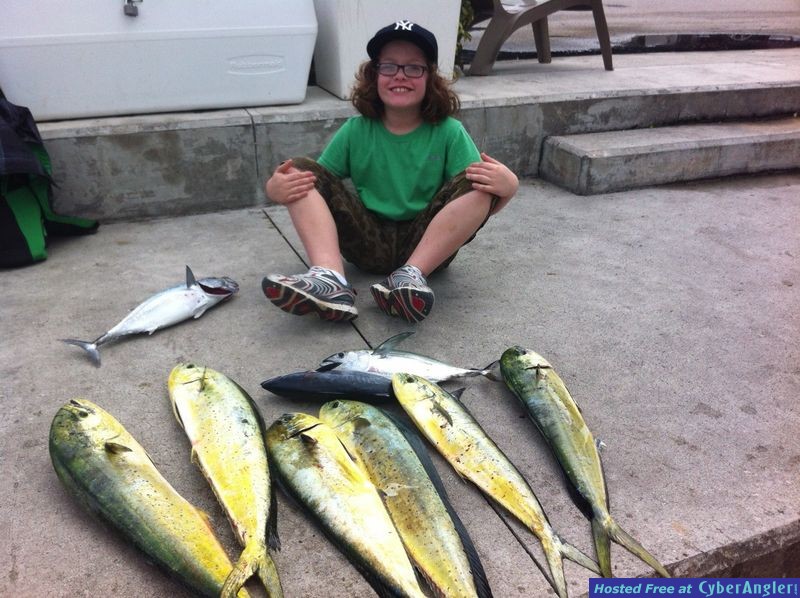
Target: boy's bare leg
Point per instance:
(314, 224)
(318, 291)
(450, 228)
(405, 293)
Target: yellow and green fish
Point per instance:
(459, 438)
(398, 465)
(226, 434)
(551, 407)
(316, 469)
(110, 473)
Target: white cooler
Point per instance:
(108, 57)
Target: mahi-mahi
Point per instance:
(551, 407)
(226, 434)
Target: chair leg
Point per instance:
(602, 33)
(541, 37)
(489, 46)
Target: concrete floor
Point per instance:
(673, 314)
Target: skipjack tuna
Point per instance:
(168, 307)
(329, 385)
(385, 361)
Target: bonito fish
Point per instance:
(463, 443)
(226, 433)
(551, 407)
(168, 307)
(332, 384)
(102, 465)
(318, 472)
(385, 361)
(434, 537)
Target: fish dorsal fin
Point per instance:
(190, 280)
(386, 346)
(116, 448)
(456, 394)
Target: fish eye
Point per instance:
(335, 405)
(340, 355)
(190, 366)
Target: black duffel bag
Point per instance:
(26, 216)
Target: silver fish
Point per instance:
(385, 361)
(165, 308)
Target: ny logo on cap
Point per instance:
(404, 25)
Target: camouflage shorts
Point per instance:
(372, 243)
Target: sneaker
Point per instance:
(317, 291)
(405, 294)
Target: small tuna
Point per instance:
(165, 308)
(332, 384)
(386, 361)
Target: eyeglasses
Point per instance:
(412, 71)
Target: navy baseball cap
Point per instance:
(408, 31)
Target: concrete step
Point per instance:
(618, 160)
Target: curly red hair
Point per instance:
(440, 100)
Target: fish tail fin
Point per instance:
(268, 574)
(254, 559)
(241, 572)
(90, 348)
(553, 552)
(602, 546)
(568, 551)
(492, 372)
(624, 539)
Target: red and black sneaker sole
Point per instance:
(297, 302)
(409, 304)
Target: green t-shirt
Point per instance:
(397, 176)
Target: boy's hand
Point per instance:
(493, 177)
(288, 184)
